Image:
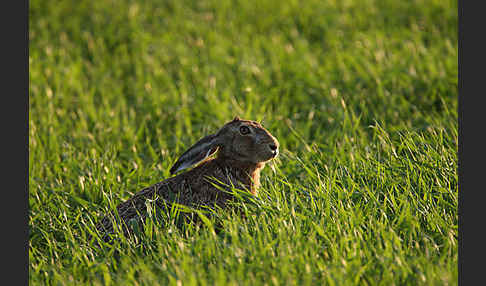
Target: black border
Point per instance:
(15, 152)
(472, 77)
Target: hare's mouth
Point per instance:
(270, 155)
(274, 153)
(273, 150)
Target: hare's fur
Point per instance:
(239, 159)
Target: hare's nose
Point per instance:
(273, 147)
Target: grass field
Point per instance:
(362, 96)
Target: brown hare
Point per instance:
(242, 147)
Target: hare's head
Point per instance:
(238, 140)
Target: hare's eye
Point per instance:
(244, 130)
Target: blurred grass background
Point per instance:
(362, 96)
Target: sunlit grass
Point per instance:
(362, 96)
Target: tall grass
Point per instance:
(362, 96)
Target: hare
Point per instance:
(242, 148)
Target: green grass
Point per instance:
(362, 96)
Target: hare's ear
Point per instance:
(198, 152)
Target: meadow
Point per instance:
(362, 96)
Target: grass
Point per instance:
(362, 96)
